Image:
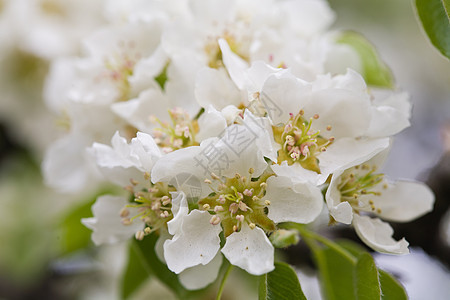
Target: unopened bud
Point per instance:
(283, 238)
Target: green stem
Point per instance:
(224, 279)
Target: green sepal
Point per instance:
(283, 238)
(374, 70)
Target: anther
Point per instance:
(214, 176)
(301, 112)
(218, 208)
(255, 198)
(124, 212)
(214, 220)
(379, 210)
(316, 116)
(329, 127)
(242, 206)
(146, 175)
(267, 202)
(165, 200)
(248, 192)
(207, 181)
(240, 218)
(233, 208)
(263, 185)
(221, 199)
(156, 205)
(251, 171)
(235, 228)
(134, 182)
(237, 175)
(206, 206)
(252, 225)
(129, 188)
(139, 235)
(126, 221)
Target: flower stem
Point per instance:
(224, 279)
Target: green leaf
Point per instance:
(281, 283)
(391, 289)
(374, 70)
(74, 235)
(367, 284)
(136, 272)
(434, 15)
(336, 272)
(145, 249)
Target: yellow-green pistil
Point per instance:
(300, 143)
(239, 200)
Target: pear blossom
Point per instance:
(320, 127)
(246, 202)
(356, 193)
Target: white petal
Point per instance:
(236, 151)
(180, 210)
(378, 235)
(159, 246)
(308, 17)
(251, 250)
(107, 224)
(257, 74)
(284, 95)
(341, 211)
(346, 111)
(211, 123)
(144, 148)
(183, 168)
(296, 172)
(347, 152)
(235, 65)
(300, 203)
(196, 243)
(262, 128)
(214, 87)
(404, 201)
(66, 166)
(125, 161)
(200, 276)
(390, 114)
(137, 111)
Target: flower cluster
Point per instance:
(227, 119)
